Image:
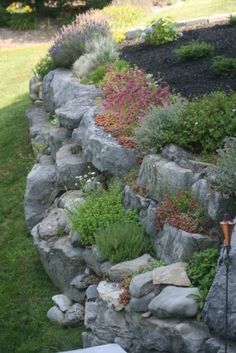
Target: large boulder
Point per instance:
(176, 245)
(141, 284)
(101, 149)
(134, 201)
(175, 302)
(60, 86)
(40, 192)
(159, 176)
(214, 309)
(58, 136)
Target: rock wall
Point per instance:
(161, 314)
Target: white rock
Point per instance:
(110, 293)
(174, 274)
(62, 301)
(55, 315)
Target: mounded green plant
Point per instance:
(160, 32)
(97, 75)
(232, 20)
(4, 17)
(122, 241)
(99, 210)
(226, 171)
(224, 66)
(43, 67)
(206, 121)
(194, 51)
(22, 21)
(202, 269)
(158, 128)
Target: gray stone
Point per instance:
(133, 201)
(121, 270)
(214, 309)
(74, 316)
(159, 176)
(68, 167)
(81, 281)
(56, 315)
(133, 33)
(176, 245)
(148, 219)
(91, 309)
(57, 137)
(72, 112)
(70, 199)
(93, 259)
(174, 274)
(75, 239)
(108, 348)
(175, 153)
(59, 87)
(141, 284)
(55, 224)
(105, 268)
(77, 295)
(215, 345)
(175, 302)
(91, 293)
(214, 204)
(40, 192)
(60, 260)
(141, 304)
(101, 149)
(62, 301)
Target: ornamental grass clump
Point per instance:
(122, 241)
(194, 51)
(181, 211)
(100, 209)
(224, 66)
(128, 96)
(70, 41)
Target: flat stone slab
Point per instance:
(174, 274)
(107, 348)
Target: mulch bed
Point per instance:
(192, 78)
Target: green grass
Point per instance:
(25, 290)
(192, 9)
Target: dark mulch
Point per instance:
(192, 78)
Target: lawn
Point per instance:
(25, 290)
(196, 8)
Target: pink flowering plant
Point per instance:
(128, 96)
(69, 43)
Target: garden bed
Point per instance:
(191, 78)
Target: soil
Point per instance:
(191, 78)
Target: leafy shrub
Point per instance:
(209, 119)
(157, 128)
(181, 211)
(97, 4)
(232, 20)
(43, 67)
(161, 32)
(99, 51)
(70, 41)
(226, 171)
(224, 66)
(194, 50)
(202, 268)
(97, 75)
(99, 210)
(122, 241)
(4, 17)
(128, 96)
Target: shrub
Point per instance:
(99, 51)
(97, 75)
(22, 22)
(161, 32)
(4, 17)
(43, 67)
(128, 96)
(209, 119)
(202, 268)
(232, 20)
(181, 211)
(226, 171)
(158, 127)
(224, 66)
(194, 51)
(122, 241)
(97, 4)
(70, 41)
(98, 211)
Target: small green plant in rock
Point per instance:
(99, 210)
(194, 51)
(43, 67)
(161, 32)
(224, 66)
(226, 171)
(232, 20)
(122, 241)
(201, 269)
